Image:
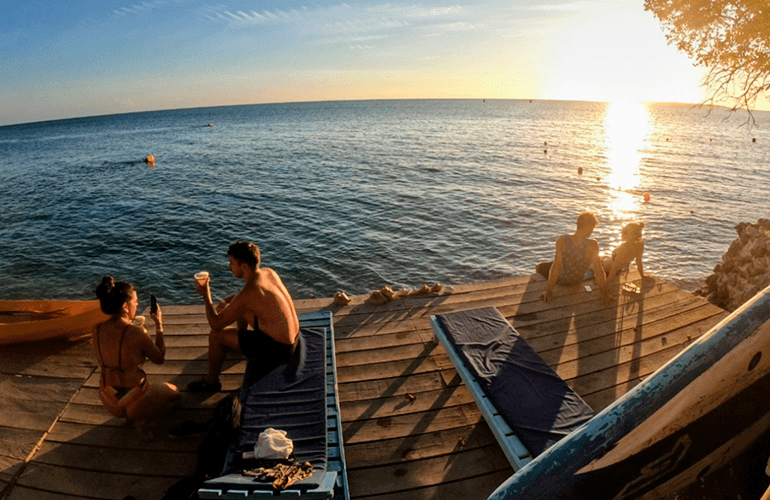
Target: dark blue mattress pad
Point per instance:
(291, 397)
(535, 402)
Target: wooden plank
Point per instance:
(91, 484)
(399, 426)
(123, 437)
(682, 312)
(22, 493)
(534, 312)
(623, 375)
(371, 324)
(373, 389)
(180, 373)
(409, 301)
(28, 388)
(384, 354)
(378, 341)
(649, 309)
(388, 370)
(10, 468)
(462, 464)
(511, 290)
(185, 339)
(405, 403)
(522, 300)
(603, 398)
(6, 477)
(665, 332)
(66, 361)
(55, 350)
(29, 414)
(133, 461)
(473, 488)
(94, 414)
(16, 445)
(606, 361)
(90, 395)
(418, 446)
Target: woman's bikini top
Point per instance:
(117, 369)
(623, 245)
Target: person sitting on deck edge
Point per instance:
(263, 303)
(575, 254)
(121, 348)
(632, 248)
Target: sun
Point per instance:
(604, 51)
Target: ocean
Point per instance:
(353, 195)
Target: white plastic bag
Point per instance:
(273, 444)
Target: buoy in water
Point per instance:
(580, 170)
(150, 160)
(646, 196)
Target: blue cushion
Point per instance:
(532, 399)
(291, 397)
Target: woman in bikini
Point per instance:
(121, 349)
(631, 248)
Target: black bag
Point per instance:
(212, 452)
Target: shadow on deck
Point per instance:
(411, 429)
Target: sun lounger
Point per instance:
(301, 398)
(526, 404)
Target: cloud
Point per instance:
(351, 39)
(138, 8)
(346, 24)
(578, 6)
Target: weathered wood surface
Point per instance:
(411, 429)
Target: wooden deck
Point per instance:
(411, 429)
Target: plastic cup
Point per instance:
(202, 277)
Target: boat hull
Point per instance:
(692, 416)
(34, 320)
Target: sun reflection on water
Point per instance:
(626, 125)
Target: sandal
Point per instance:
(202, 386)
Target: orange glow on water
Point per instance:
(626, 126)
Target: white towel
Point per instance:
(273, 444)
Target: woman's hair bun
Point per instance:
(105, 287)
(112, 295)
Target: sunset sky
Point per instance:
(89, 57)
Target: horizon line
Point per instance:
(703, 104)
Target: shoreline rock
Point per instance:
(744, 270)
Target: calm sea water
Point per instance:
(355, 195)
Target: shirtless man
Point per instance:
(263, 304)
(575, 254)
